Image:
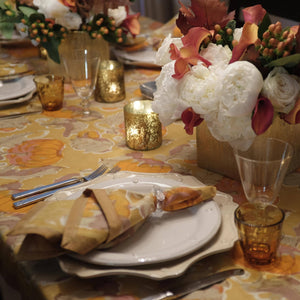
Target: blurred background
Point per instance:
(163, 10)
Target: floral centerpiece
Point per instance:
(47, 22)
(236, 79)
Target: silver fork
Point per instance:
(68, 182)
(39, 197)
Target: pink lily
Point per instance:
(262, 116)
(191, 120)
(254, 14)
(293, 117)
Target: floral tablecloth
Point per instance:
(51, 146)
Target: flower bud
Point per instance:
(217, 27)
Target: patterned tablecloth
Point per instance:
(51, 146)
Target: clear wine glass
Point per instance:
(263, 167)
(81, 63)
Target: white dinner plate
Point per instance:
(163, 237)
(22, 99)
(222, 241)
(141, 58)
(16, 88)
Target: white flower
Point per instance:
(282, 89)
(55, 10)
(163, 54)
(241, 85)
(217, 55)
(119, 14)
(237, 33)
(237, 131)
(166, 102)
(199, 89)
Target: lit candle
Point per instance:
(142, 126)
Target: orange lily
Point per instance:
(262, 116)
(293, 117)
(248, 37)
(189, 53)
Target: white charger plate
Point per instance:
(163, 237)
(16, 88)
(223, 240)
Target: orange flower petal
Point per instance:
(293, 117)
(248, 37)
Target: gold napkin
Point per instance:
(96, 218)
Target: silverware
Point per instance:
(34, 199)
(179, 289)
(12, 116)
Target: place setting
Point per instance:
(16, 83)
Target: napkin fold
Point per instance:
(96, 218)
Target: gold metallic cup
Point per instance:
(50, 89)
(110, 85)
(143, 130)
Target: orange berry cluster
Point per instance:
(105, 27)
(276, 42)
(44, 30)
(224, 36)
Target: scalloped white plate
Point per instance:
(162, 237)
(221, 241)
(16, 88)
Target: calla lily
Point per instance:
(132, 24)
(293, 117)
(263, 115)
(248, 37)
(190, 119)
(189, 53)
(254, 14)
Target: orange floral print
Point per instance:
(35, 153)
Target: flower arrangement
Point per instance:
(236, 79)
(46, 23)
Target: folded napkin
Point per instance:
(97, 219)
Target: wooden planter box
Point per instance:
(218, 156)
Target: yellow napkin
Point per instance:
(96, 218)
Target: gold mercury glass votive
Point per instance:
(50, 89)
(110, 85)
(143, 130)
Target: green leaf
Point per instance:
(288, 61)
(264, 25)
(52, 49)
(7, 29)
(27, 11)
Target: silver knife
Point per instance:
(179, 290)
(12, 116)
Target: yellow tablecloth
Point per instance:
(51, 146)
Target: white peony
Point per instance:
(237, 131)
(166, 102)
(163, 54)
(53, 9)
(199, 89)
(241, 85)
(282, 89)
(119, 14)
(217, 55)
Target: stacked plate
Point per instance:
(16, 88)
(168, 243)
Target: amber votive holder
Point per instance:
(50, 90)
(143, 129)
(110, 86)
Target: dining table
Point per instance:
(50, 146)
